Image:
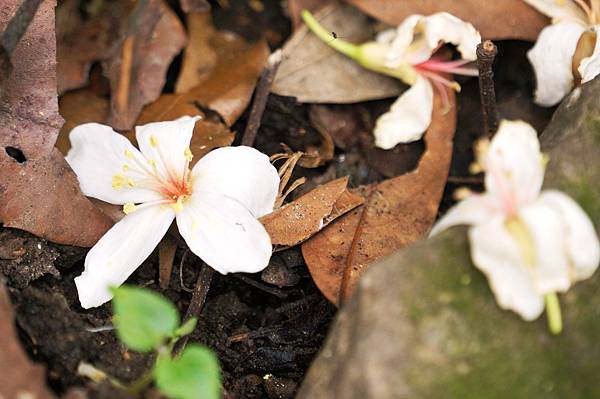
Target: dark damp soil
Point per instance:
(265, 328)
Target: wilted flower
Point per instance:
(529, 244)
(408, 53)
(566, 53)
(216, 204)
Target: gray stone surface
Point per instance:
(424, 323)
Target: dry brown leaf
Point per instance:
(313, 72)
(137, 68)
(300, 219)
(220, 69)
(166, 256)
(295, 7)
(504, 19)
(397, 212)
(195, 5)
(20, 378)
(40, 193)
(78, 107)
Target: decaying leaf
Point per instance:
(220, 69)
(504, 19)
(78, 107)
(300, 219)
(295, 7)
(195, 5)
(313, 72)
(136, 42)
(397, 212)
(138, 66)
(20, 378)
(40, 193)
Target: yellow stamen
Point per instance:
(545, 160)
(152, 163)
(178, 206)
(125, 168)
(130, 182)
(475, 168)
(518, 230)
(129, 207)
(128, 153)
(188, 154)
(461, 193)
(153, 141)
(118, 181)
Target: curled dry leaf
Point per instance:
(40, 193)
(397, 212)
(137, 68)
(136, 42)
(504, 19)
(220, 69)
(313, 72)
(300, 219)
(20, 378)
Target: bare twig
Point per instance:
(486, 53)
(198, 298)
(260, 98)
(11, 36)
(263, 287)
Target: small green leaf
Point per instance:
(186, 328)
(193, 375)
(143, 318)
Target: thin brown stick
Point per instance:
(486, 53)
(198, 298)
(260, 98)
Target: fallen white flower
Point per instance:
(216, 204)
(407, 53)
(562, 55)
(529, 243)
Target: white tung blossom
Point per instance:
(409, 53)
(566, 51)
(529, 243)
(215, 204)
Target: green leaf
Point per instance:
(143, 318)
(193, 375)
(187, 327)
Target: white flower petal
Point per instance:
(120, 251)
(581, 240)
(498, 256)
(589, 67)
(241, 173)
(400, 41)
(446, 28)
(418, 37)
(97, 154)
(514, 164)
(552, 58)
(551, 269)
(563, 10)
(473, 210)
(224, 234)
(166, 144)
(408, 118)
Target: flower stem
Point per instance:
(344, 47)
(553, 313)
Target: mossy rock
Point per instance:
(423, 322)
